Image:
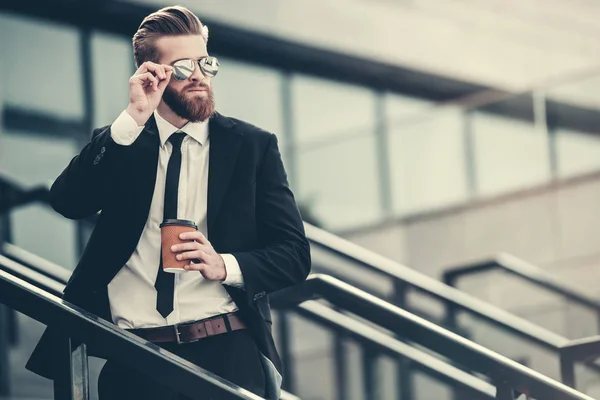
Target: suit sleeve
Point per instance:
(80, 190)
(283, 258)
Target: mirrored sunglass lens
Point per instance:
(210, 66)
(183, 69)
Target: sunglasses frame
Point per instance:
(183, 72)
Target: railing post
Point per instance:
(504, 392)
(72, 379)
(5, 326)
(567, 371)
(369, 370)
(341, 371)
(4, 347)
(284, 332)
(13, 328)
(451, 310)
(404, 386)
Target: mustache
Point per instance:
(194, 86)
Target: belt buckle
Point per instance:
(177, 333)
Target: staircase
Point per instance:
(351, 331)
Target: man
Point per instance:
(170, 155)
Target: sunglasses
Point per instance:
(183, 69)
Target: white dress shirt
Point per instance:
(131, 293)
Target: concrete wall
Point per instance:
(555, 227)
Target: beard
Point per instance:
(193, 109)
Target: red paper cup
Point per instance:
(170, 230)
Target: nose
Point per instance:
(197, 75)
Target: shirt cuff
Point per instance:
(124, 130)
(234, 273)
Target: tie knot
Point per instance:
(176, 139)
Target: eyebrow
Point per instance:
(188, 58)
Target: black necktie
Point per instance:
(165, 281)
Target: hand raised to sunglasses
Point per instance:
(146, 88)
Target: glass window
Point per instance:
(250, 93)
(573, 113)
(427, 160)
(399, 107)
(41, 66)
(339, 182)
(510, 153)
(326, 110)
(35, 159)
(112, 66)
(38, 228)
(580, 92)
(578, 152)
(335, 150)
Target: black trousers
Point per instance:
(233, 356)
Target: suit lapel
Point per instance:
(142, 162)
(225, 144)
(147, 162)
(143, 178)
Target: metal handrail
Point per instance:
(503, 372)
(163, 366)
(585, 350)
(49, 277)
(26, 274)
(469, 385)
(522, 269)
(35, 263)
(452, 297)
(316, 312)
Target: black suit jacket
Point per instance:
(251, 213)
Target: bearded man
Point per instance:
(170, 156)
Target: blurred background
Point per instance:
(435, 133)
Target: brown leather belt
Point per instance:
(192, 331)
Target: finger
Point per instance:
(190, 255)
(145, 79)
(163, 84)
(194, 235)
(176, 248)
(144, 68)
(156, 69)
(146, 76)
(196, 267)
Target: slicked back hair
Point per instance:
(168, 21)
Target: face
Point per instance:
(191, 99)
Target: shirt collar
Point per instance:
(197, 130)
